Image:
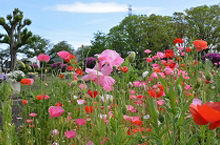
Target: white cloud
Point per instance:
(97, 7)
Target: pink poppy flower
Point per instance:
(180, 48)
(160, 102)
(55, 111)
(188, 87)
(55, 132)
(43, 57)
(104, 117)
(70, 134)
(90, 143)
(168, 71)
(33, 114)
(83, 86)
(147, 51)
(131, 108)
(98, 77)
(160, 55)
(63, 54)
(111, 57)
(29, 121)
(154, 75)
(80, 121)
(196, 102)
(80, 101)
(127, 118)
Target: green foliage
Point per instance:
(16, 36)
(37, 46)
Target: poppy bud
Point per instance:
(46, 70)
(161, 118)
(179, 89)
(124, 109)
(208, 76)
(21, 63)
(28, 67)
(131, 57)
(130, 85)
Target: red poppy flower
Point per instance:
(59, 104)
(188, 49)
(172, 65)
(124, 69)
(169, 53)
(27, 81)
(70, 57)
(61, 76)
(206, 113)
(70, 68)
(137, 122)
(24, 102)
(92, 94)
(178, 41)
(79, 71)
(153, 92)
(88, 109)
(200, 45)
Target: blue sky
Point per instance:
(77, 21)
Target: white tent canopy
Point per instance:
(34, 60)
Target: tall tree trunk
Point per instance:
(13, 58)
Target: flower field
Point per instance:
(173, 98)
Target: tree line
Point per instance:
(134, 33)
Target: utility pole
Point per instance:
(129, 10)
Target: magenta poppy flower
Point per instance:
(80, 121)
(63, 54)
(55, 111)
(33, 114)
(70, 134)
(43, 58)
(147, 51)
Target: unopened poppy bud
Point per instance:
(28, 67)
(130, 85)
(73, 83)
(46, 70)
(21, 63)
(179, 89)
(208, 76)
(161, 118)
(131, 57)
(124, 109)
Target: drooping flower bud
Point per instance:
(131, 57)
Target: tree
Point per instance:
(38, 46)
(137, 33)
(205, 22)
(63, 45)
(180, 24)
(99, 43)
(16, 36)
(4, 57)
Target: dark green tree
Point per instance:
(99, 43)
(16, 36)
(38, 46)
(180, 24)
(205, 24)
